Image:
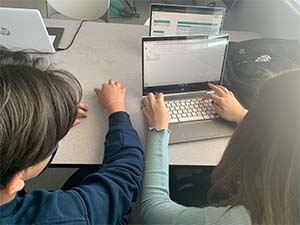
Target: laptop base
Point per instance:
(202, 130)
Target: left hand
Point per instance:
(82, 113)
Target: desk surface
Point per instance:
(103, 51)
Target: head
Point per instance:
(38, 106)
(260, 167)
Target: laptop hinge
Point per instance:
(188, 94)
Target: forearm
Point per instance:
(121, 139)
(156, 207)
(156, 164)
(109, 192)
(123, 151)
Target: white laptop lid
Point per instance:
(178, 20)
(24, 29)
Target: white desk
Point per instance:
(104, 51)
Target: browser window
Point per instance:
(175, 62)
(174, 24)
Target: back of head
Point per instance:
(38, 106)
(260, 167)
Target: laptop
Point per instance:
(24, 29)
(175, 20)
(181, 67)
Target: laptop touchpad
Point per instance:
(201, 130)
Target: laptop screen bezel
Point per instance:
(186, 87)
(185, 9)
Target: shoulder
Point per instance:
(43, 206)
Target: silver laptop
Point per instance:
(175, 20)
(181, 67)
(24, 29)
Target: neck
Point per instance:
(6, 198)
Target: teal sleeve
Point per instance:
(156, 207)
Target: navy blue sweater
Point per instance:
(103, 197)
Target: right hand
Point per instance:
(155, 111)
(225, 104)
(82, 110)
(112, 97)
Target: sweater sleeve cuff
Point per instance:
(118, 119)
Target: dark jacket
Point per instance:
(103, 197)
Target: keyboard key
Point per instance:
(190, 109)
(188, 119)
(173, 121)
(206, 117)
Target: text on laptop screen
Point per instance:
(181, 62)
(182, 23)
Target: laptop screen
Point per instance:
(174, 20)
(183, 64)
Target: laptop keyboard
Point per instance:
(185, 110)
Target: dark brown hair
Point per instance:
(38, 106)
(260, 167)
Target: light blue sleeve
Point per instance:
(156, 207)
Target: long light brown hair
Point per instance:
(260, 167)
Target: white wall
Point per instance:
(270, 18)
(34, 4)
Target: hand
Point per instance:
(225, 104)
(112, 97)
(155, 111)
(82, 113)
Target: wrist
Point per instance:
(159, 130)
(114, 107)
(241, 115)
(159, 126)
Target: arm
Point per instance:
(107, 194)
(156, 207)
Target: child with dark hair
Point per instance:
(38, 106)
